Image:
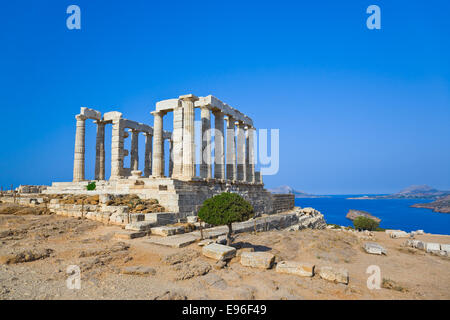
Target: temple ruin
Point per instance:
(183, 190)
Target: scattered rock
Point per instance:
(190, 270)
(220, 264)
(335, 275)
(25, 256)
(262, 260)
(298, 268)
(139, 270)
(183, 256)
(374, 248)
(218, 251)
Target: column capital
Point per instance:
(188, 97)
(80, 117)
(158, 112)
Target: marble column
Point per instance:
(219, 160)
(163, 157)
(100, 151)
(134, 152)
(206, 163)
(170, 158)
(177, 142)
(148, 155)
(158, 144)
(78, 162)
(231, 150)
(187, 102)
(240, 151)
(250, 151)
(117, 151)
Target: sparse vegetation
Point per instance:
(364, 223)
(91, 186)
(392, 285)
(224, 209)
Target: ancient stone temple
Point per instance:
(184, 188)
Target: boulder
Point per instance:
(374, 248)
(262, 260)
(297, 268)
(338, 275)
(218, 251)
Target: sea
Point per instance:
(394, 213)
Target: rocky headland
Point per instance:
(440, 205)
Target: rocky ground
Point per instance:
(36, 251)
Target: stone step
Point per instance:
(140, 226)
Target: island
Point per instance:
(411, 192)
(284, 189)
(440, 205)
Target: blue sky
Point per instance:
(359, 110)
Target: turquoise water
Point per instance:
(394, 213)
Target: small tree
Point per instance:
(91, 186)
(224, 209)
(364, 223)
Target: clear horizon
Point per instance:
(359, 111)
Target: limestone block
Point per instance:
(399, 234)
(136, 217)
(112, 115)
(54, 201)
(262, 260)
(91, 113)
(415, 244)
(298, 268)
(205, 242)
(139, 226)
(339, 275)
(431, 246)
(218, 251)
(104, 198)
(374, 248)
(192, 219)
(241, 251)
(446, 248)
(167, 231)
(129, 235)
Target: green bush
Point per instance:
(91, 186)
(224, 209)
(364, 223)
